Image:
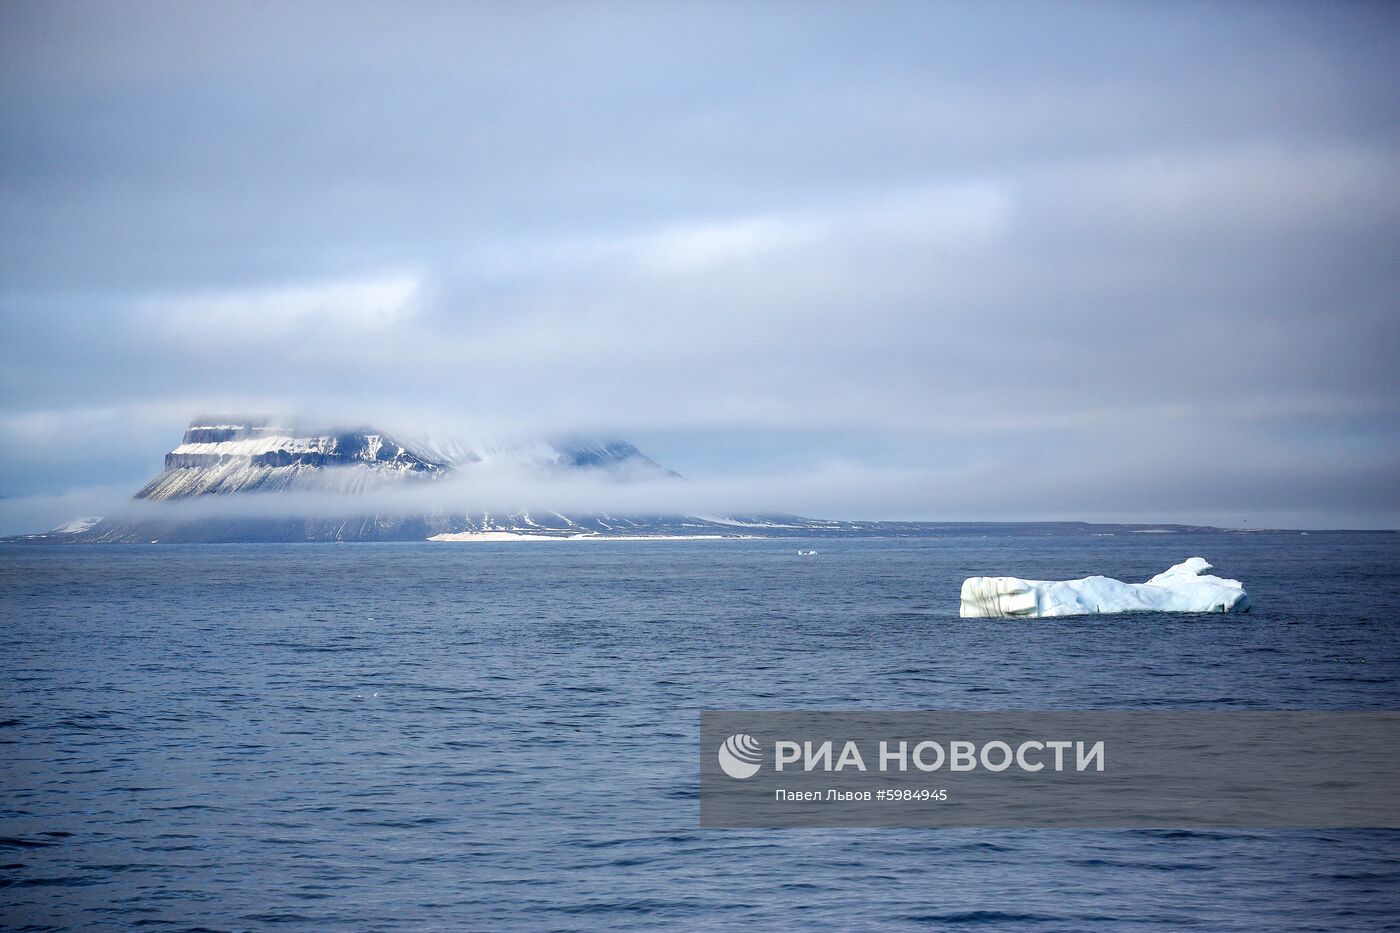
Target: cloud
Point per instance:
(937, 239)
(355, 308)
(1340, 491)
(38, 513)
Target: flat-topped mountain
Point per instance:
(222, 458)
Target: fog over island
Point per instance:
(877, 261)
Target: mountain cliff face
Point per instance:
(252, 456)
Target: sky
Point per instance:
(1099, 261)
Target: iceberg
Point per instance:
(1186, 587)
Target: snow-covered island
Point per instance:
(241, 479)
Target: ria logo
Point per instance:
(741, 756)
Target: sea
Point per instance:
(504, 736)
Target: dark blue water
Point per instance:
(504, 736)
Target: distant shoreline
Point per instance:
(304, 531)
(460, 537)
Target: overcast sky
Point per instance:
(1099, 261)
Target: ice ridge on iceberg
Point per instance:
(1185, 587)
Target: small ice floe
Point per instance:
(802, 553)
(1185, 587)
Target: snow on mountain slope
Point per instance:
(246, 455)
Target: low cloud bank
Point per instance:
(1230, 494)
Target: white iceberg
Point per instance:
(1185, 587)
